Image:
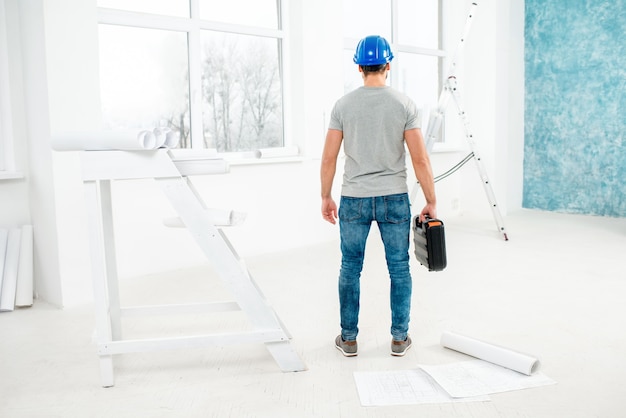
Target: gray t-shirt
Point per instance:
(373, 121)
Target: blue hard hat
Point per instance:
(373, 50)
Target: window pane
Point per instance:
(417, 78)
(366, 17)
(418, 23)
(144, 79)
(263, 13)
(352, 78)
(241, 92)
(162, 7)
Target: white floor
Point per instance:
(556, 289)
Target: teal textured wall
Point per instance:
(575, 106)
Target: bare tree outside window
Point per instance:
(262, 92)
(241, 92)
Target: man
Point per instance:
(374, 122)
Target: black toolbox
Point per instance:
(430, 243)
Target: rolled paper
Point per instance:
(522, 363)
(24, 292)
(172, 138)
(4, 236)
(9, 281)
(218, 217)
(159, 135)
(125, 140)
(277, 152)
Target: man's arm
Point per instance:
(327, 173)
(423, 171)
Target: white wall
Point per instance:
(48, 283)
(14, 205)
(510, 53)
(282, 200)
(492, 89)
(74, 104)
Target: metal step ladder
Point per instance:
(451, 90)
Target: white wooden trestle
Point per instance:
(99, 169)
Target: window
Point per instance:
(7, 164)
(240, 92)
(414, 30)
(144, 78)
(212, 70)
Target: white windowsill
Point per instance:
(440, 148)
(264, 161)
(11, 175)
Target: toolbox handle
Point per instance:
(430, 221)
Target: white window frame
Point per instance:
(193, 26)
(7, 157)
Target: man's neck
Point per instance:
(375, 80)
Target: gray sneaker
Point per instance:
(399, 348)
(348, 348)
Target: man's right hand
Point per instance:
(430, 210)
(329, 210)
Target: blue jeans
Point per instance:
(392, 214)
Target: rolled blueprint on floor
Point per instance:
(522, 363)
(125, 140)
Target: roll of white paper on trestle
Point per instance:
(218, 217)
(166, 138)
(277, 152)
(160, 135)
(172, 138)
(102, 140)
(522, 363)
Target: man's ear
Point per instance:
(360, 69)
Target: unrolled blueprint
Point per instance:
(477, 377)
(402, 387)
(495, 369)
(491, 369)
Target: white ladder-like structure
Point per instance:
(450, 90)
(99, 169)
